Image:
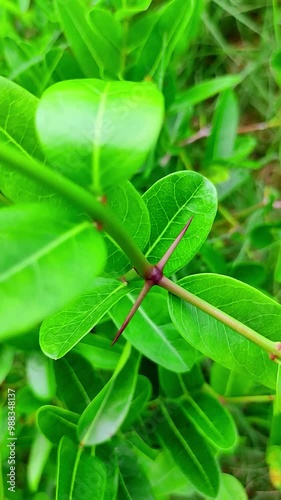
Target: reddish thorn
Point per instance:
(173, 246)
(144, 291)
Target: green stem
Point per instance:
(273, 348)
(80, 197)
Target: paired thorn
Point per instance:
(153, 277)
(144, 291)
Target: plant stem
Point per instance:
(80, 197)
(273, 348)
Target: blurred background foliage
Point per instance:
(223, 119)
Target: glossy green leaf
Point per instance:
(39, 454)
(105, 414)
(133, 483)
(41, 251)
(220, 143)
(128, 205)
(204, 90)
(77, 382)
(106, 453)
(99, 351)
(171, 21)
(189, 451)
(63, 331)
(80, 474)
(171, 201)
(40, 376)
(90, 129)
(92, 47)
(142, 394)
(211, 419)
(219, 342)
(146, 332)
(55, 422)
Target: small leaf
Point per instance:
(105, 414)
(60, 333)
(230, 488)
(90, 129)
(221, 343)
(80, 474)
(211, 419)
(189, 451)
(55, 422)
(220, 143)
(129, 8)
(171, 202)
(6, 360)
(203, 91)
(45, 260)
(91, 47)
(40, 376)
(39, 454)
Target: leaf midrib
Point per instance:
(42, 252)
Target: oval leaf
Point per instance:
(56, 422)
(189, 451)
(171, 202)
(99, 133)
(60, 333)
(221, 343)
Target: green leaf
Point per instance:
(42, 252)
(6, 360)
(275, 63)
(55, 422)
(104, 144)
(128, 205)
(105, 414)
(171, 201)
(17, 128)
(80, 474)
(220, 143)
(40, 376)
(165, 476)
(203, 91)
(189, 451)
(219, 342)
(133, 483)
(175, 385)
(77, 382)
(39, 454)
(91, 45)
(211, 419)
(129, 8)
(60, 333)
(230, 488)
(146, 332)
(171, 22)
(99, 351)
(142, 394)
